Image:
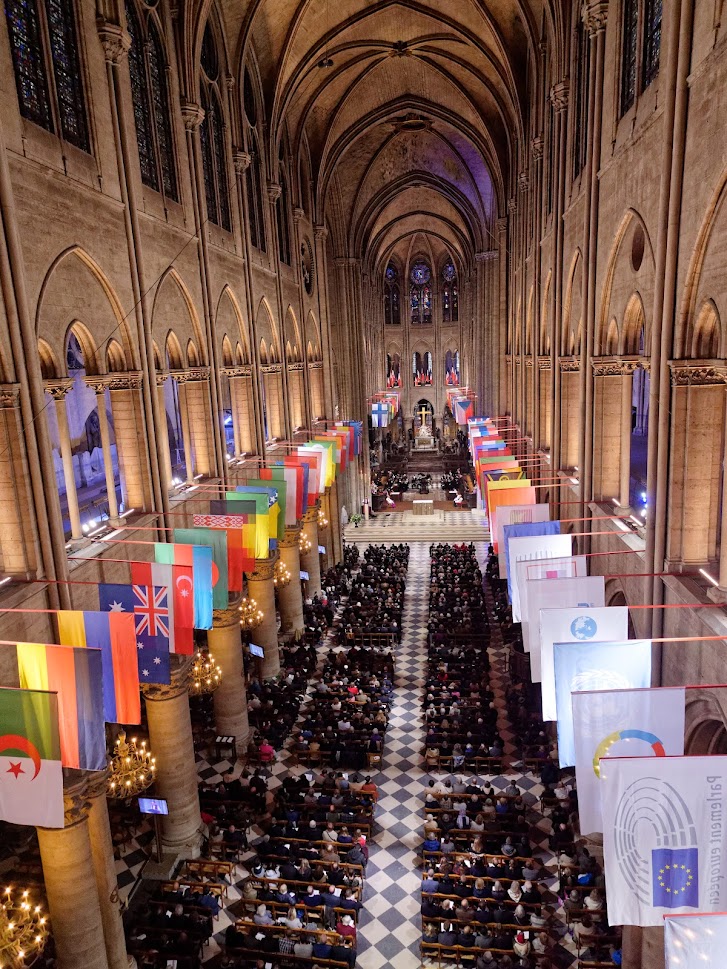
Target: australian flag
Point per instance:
(150, 606)
(675, 880)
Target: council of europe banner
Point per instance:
(621, 723)
(664, 838)
(695, 941)
(579, 591)
(579, 624)
(536, 546)
(595, 666)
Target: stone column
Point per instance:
(180, 379)
(198, 414)
(230, 697)
(17, 538)
(627, 395)
(310, 561)
(102, 855)
(163, 434)
(318, 407)
(720, 594)
(59, 389)
(290, 597)
(545, 400)
(170, 739)
(273, 380)
(320, 234)
(570, 413)
(99, 388)
(131, 450)
(71, 888)
(335, 549)
(234, 412)
(607, 431)
(260, 588)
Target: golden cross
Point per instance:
(423, 414)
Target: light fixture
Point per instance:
(281, 575)
(304, 544)
(131, 769)
(206, 674)
(325, 62)
(322, 520)
(250, 615)
(23, 929)
(709, 577)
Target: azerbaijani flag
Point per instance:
(239, 525)
(180, 599)
(216, 540)
(199, 559)
(75, 674)
(114, 633)
(31, 773)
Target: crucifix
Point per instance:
(423, 415)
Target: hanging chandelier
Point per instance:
(250, 615)
(23, 930)
(322, 520)
(304, 544)
(131, 769)
(281, 575)
(206, 674)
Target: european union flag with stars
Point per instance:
(675, 877)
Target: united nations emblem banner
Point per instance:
(621, 723)
(664, 838)
(695, 941)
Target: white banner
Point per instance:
(528, 572)
(621, 723)
(664, 838)
(577, 624)
(533, 547)
(515, 515)
(587, 591)
(695, 941)
(595, 666)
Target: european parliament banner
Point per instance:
(695, 941)
(602, 624)
(664, 838)
(515, 515)
(621, 723)
(582, 591)
(595, 666)
(537, 546)
(529, 572)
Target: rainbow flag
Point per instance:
(114, 633)
(199, 559)
(75, 674)
(31, 773)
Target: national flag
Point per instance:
(317, 453)
(621, 723)
(31, 772)
(290, 477)
(115, 635)
(313, 462)
(75, 674)
(379, 414)
(295, 461)
(217, 542)
(664, 837)
(178, 579)
(240, 533)
(148, 605)
(257, 506)
(534, 595)
(198, 558)
(534, 540)
(277, 501)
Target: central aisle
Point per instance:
(390, 927)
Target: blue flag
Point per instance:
(675, 877)
(150, 607)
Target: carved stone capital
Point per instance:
(241, 160)
(186, 376)
(298, 214)
(264, 569)
(272, 368)
(160, 377)
(9, 395)
(570, 365)
(544, 363)
(315, 365)
(594, 14)
(274, 192)
(320, 232)
(523, 181)
(559, 96)
(115, 41)
(611, 367)
(58, 388)
(528, 362)
(312, 514)
(292, 535)
(240, 371)
(97, 784)
(130, 380)
(512, 205)
(294, 366)
(97, 383)
(697, 373)
(76, 804)
(501, 224)
(536, 146)
(192, 114)
(180, 677)
(225, 617)
(486, 256)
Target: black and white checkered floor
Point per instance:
(390, 923)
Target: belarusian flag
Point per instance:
(31, 776)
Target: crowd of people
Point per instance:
(376, 594)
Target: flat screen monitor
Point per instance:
(153, 805)
(257, 651)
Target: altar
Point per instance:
(425, 442)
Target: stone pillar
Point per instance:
(335, 552)
(570, 414)
(230, 697)
(608, 386)
(197, 396)
(232, 391)
(260, 588)
(16, 531)
(297, 395)
(170, 740)
(71, 888)
(273, 380)
(163, 434)
(99, 388)
(59, 389)
(720, 594)
(545, 402)
(243, 417)
(102, 855)
(290, 597)
(627, 395)
(318, 408)
(310, 561)
(131, 449)
(186, 433)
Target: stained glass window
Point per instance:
(162, 119)
(652, 41)
(420, 294)
(628, 53)
(255, 210)
(395, 306)
(55, 103)
(420, 273)
(449, 291)
(455, 303)
(212, 138)
(140, 97)
(391, 274)
(446, 304)
(449, 273)
(283, 221)
(392, 310)
(580, 130)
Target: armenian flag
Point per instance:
(76, 675)
(31, 772)
(199, 559)
(114, 633)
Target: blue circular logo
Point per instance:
(583, 628)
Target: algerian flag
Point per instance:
(31, 776)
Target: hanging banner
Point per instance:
(543, 546)
(664, 838)
(587, 591)
(528, 572)
(621, 723)
(602, 624)
(595, 666)
(514, 515)
(695, 941)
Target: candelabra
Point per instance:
(131, 769)
(281, 575)
(23, 930)
(304, 544)
(206, 674)
(322, 520)
(250, 615)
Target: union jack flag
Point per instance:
(153, 609)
